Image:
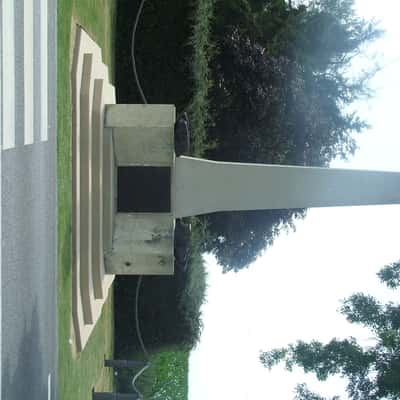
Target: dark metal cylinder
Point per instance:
(124, 364)
(114, 396)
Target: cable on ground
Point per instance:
(139, 283)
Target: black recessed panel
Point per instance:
(144, 189)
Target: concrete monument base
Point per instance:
(93, 180)
(106, 136)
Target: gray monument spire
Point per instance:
(202, 186)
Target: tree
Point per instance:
(303, 393)
(280, 96)
(373, 373)
(390, 275)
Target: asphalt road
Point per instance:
(28, 200)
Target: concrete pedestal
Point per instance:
(143, 244)
(143, 134)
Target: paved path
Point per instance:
(28, 340)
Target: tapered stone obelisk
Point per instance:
(202, 186)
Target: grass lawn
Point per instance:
(168, 376)
(78, 374)
(166, 379)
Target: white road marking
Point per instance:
(49, 387)
(1, 140)
(1, 132)
(1, 129)
(8, 74)
(43, 70)
(1, 269)
(28, 72)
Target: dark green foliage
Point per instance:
(303, 393)
(165, 319)
(169, 306)
(325, 35)
(390, 275)
(200, 83)
(162, 52)
(237, 238)
(172, 54)
(279, 95)
(373, 373)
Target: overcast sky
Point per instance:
(294, 289)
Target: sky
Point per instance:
(294, 289)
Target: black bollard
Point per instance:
(124, 364)
(182, 133)
(114, 396)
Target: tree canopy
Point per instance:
(372, 372)
(280, 95)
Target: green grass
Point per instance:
(78, 374)
(166, 379)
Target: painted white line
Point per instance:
(28, 72)
(1, 267)
(1, 136)
(49, 387)
(1, 130)
(2, 5)
(8, 74)
(44, 70)
(1, 146)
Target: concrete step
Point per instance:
(93, 168)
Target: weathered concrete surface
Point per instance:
(204, 186)
(143, 134)
(91, 90)
(143, 244)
